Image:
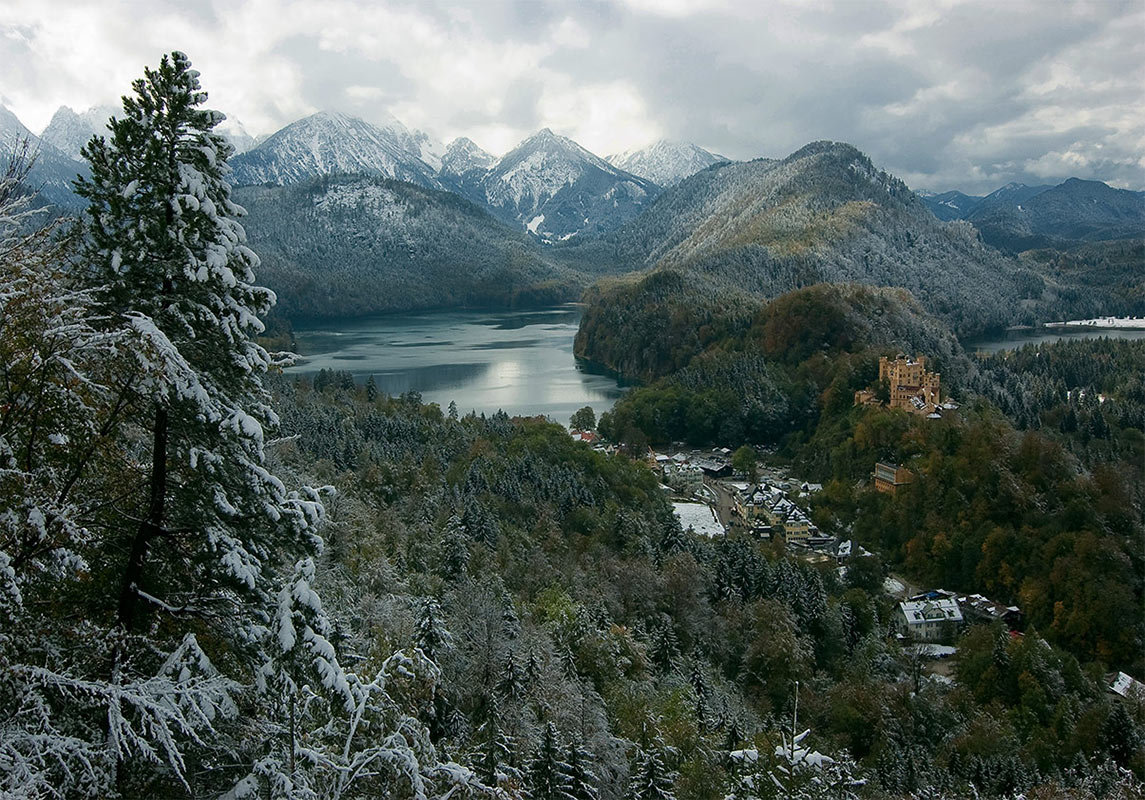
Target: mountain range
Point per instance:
(550, 216)
(1017, 217)
(351, 245)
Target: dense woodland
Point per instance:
(219, 582)
(327, 244)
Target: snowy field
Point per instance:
(1134, 323)
(699, 517)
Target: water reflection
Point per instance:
(521, 362)
(1012, 340)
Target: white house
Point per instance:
(928, 620)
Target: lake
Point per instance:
(1012, 340)
(521, 362)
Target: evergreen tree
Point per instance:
(170, 267)
(548, 772)
(581, 779)
(651, 780)
(431, 635)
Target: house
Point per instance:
(977, 608)
(888, 477)
(683, 477)
(928, 618)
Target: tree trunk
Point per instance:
(151, 525)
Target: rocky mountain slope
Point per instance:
(53, 171)
(665, 163)
(329, 143)
(355, 245)
(463, 157)
(69, 131)
(948, 206)
(557, 189)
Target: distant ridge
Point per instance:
(665, 163)
(329, 143)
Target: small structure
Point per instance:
(684, 477)
(1126, 686)
(888, 477)
(981, 609)
(928, 618)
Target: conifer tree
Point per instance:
(431, 634)
(651, 780)
(170, 267)
(548, 772)
(581, 779)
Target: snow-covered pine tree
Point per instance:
(431, 635)
(548, 772)
(651, 780)
(170, 268)
(581, 779)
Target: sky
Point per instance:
(945, 94)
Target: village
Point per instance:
(763, 501)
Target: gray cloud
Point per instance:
(963, 94)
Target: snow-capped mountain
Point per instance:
(665, 163)
(557, 189)
(53, 171)
(463, 156)
(419, 143)
(331, 143)
(70, 131)
(234, 132)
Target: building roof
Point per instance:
(919, 612)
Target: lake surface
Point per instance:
(521, 362)
(1012, 340)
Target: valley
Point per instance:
(381, 566)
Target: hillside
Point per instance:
(824, 213)
(346, 246)
(1072, 212)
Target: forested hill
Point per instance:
(329, 246)
(824, 213)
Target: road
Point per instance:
(725, 502)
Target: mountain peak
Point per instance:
(331, 142)
(463, 155)
(665, 162)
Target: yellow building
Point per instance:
(912, 388)
(888, 477)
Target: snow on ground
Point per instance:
(1137, 323)
(936, 650)
(699, 517)
(892, 586)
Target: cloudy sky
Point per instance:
(944, 93)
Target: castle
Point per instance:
(912, 387)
